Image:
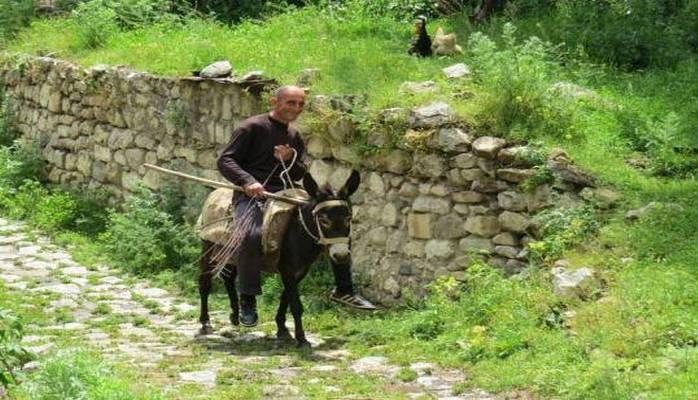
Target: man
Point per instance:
(253, 160)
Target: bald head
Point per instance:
(287, 89)
(287, 103)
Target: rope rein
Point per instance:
(286, 176)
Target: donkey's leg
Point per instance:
(205, 283)
(230, 274)
(282, 332)
(294, 300)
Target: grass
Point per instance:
(78, 373)
(344, 53)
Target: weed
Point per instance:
(12, 354)
(75, 374)
(152, 305)
(103, 309)
(406, 375)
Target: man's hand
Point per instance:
(283, 152)
(254, 189)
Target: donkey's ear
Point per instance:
(310, 185)
(351, 185)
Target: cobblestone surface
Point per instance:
(157, 331)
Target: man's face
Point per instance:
(289, 105)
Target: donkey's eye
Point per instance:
(324, 221)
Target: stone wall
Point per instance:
(98, 126)
(425, 208)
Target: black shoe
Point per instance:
(352, 300)
(248, 311)
(248, 317)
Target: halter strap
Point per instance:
(329, 203)
(320, 238)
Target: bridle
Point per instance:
(320, 238)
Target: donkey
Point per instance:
(324, 222)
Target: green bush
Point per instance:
(14, 15)
(19, 162)
(77, 374)
(95, 23)
(146, 239)
(515, 96)
(8, 133)
(131, 14)
(401, 10)
(55, 210)
(629, 33)
(670, 154)
(559, 229)
(21, 202)
(182, 200)
(12, 354)
(236, 11)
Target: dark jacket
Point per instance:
(250, 157)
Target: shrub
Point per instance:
(515, 97)
(12, 354)
(95, 23)
(21, 203)
(401, 10)
(236, 11)
(146, 239)
(132, 14)
(8, 133)
(77, 374)
(629, 33)
(182, 200)
(669, 153)
(19, 162)
(560, 228)
(14, 15)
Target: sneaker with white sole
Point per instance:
(352, 300)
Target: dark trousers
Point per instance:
(248, 257)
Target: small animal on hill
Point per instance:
(421, 43)
(445, 44)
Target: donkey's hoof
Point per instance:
(206, 329)
(304, 345)
(284, 336)
(235, 319)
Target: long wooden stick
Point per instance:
(217, 184)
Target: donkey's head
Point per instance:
(331, 215)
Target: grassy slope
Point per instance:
(640, 339)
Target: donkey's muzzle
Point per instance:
(340, 253)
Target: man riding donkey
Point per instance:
(263, 148)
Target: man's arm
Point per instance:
(230, 158)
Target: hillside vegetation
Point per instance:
(635, 127)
